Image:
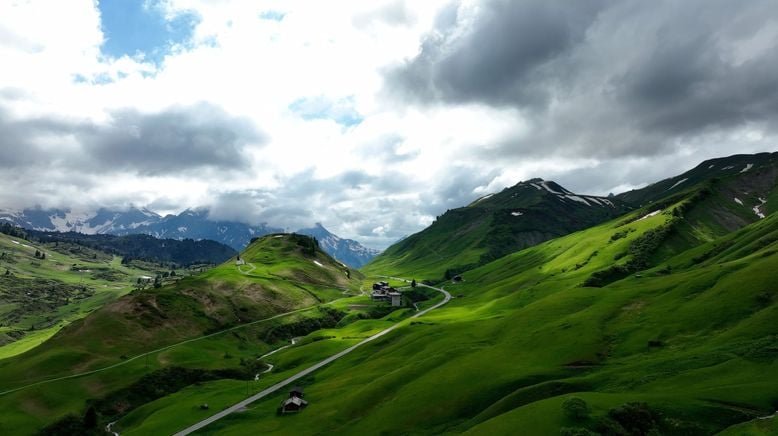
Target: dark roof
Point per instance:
(297, 389)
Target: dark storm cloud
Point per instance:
(501, 59)
(686, 83)
(19, 139)
(604, 79)
(175, 140)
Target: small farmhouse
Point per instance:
(294, 403)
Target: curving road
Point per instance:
(305, 372)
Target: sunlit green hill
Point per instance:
(521, 216)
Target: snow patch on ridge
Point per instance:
(578, 199)
(517, 213)
(677, 183)
(483, 198)
(756, 209)
(649, 215)
(737, 200)
(608, 202)
(748, 167)
(545, 185)
(594, 200)
(318, 263)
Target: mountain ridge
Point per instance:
(520, 216)
(189, 224)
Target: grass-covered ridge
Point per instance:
(691, 342)
(491, 227)
(275, 274)
(45, 287)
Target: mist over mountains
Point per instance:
(189, 224)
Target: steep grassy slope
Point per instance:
(693, 335)
(720, 205)
(518, 217)
(41, 294)
(276, 274)
(710, 169)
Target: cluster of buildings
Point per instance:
(383, 292)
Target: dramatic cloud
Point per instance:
(178, 139)
(605, 79)
(371, 117)
(500, 53)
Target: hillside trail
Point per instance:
(159, 350)
(240, 269)
(270, 366)
(242, 405)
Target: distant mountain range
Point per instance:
(348, 251)
(189, 224)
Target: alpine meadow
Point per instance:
(476, 217)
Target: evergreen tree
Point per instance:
(90, 418)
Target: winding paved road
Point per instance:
(305, 372)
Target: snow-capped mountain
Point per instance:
(195, 224)
(100, 222)
(348, 251)
(189, 224)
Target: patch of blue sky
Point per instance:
(98, 79)
(140, 28)
(341, 111)
(272, 15)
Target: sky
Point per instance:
(370, 117)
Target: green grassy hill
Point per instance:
(275, 274)
(40, 294)
(686, 343)
(524, 215)
(660, 321)
(710, 169)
